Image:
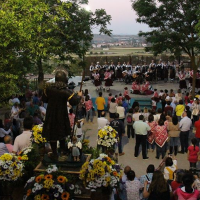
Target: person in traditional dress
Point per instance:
(126, 94)
(172, 71)
(197, 80)
(144, 68)
(97, 80)
(152, 66)
(182, 81)
(112, 70)
(190, 73)
(97, 66)
(135, 88)
(165, 72)
(108, 79)
(118, 70)
(127, 74)
(91, 71)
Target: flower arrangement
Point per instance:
(107, 136)
(100, 172)
(50, 185)
(37, 136)
(10, 167)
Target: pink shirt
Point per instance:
(182, 195)
(9, 147)
(88, 105)
(71, 119)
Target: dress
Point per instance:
(75, 151)
(57, 125)
(193, 157)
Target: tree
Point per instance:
(33, 32)
(172, 24)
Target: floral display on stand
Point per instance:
(10, 167)
(50, 185)
(37, 135)
(100, 172)
(107, 137)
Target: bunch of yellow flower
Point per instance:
(107, 136)
(50, 185)
(100, 172)
(37, 136)
(10, 167)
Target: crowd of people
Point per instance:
(141, 76)
(165, 130)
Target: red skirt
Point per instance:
(127, 97)
(108, 82)
(182, 84)
(149, 92)
(97, 82)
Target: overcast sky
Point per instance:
(123, 16)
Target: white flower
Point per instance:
(36, 184)
(33, 190)
(71, 187)
(5, 166)
(60, 190)
(49, 170)
(31, 179)
(56, 195)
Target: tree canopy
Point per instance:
(172, 24)
(33, 32)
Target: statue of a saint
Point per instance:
(57, 126)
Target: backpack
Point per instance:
(129, 119)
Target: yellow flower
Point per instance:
(37, 197)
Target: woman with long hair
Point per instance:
(173, 133)
(158, 189)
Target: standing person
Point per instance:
(102, 121)
(125, 105)
(97, 80)
(180, 109)
(126, 95)
(136, 114)
(195, 110)
(71, 116)
(197, 134)
(182, 82)
(121, 111)
(168, 107)
(57, 94)
(118, 125)
(132, 186)
(88, 106)
(129, 122)
(185, 126)
(100, 102)
(141, 129)
(151, 134)
(109, 99)
(178, 96)
(108, 79)
(193, 151)
(161, 137)
(112, 108)
(173, 133)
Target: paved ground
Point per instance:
(137, 164)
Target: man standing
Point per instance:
(100, 102)
(118, 125)
(185, 126)
(102, 121)
(141, 129)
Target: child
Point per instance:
(78, 129)
(71, 117)
(153, 103)
(155, 95)
(75, 147)
(126, 95)
(120, 97)
(193, 152)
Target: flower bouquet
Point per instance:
(107, 137)
(37, 135)
(50, 185)
(10, 167)
(100, 172)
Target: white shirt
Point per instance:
(121, 111)
(156, 117)
(185, 124)
(141, 127)
(136, 116)
(173, 168)
(102, 121)
(78, 131)
(4, 132)
(22, 141)
(15, 112)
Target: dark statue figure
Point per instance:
(57, 126)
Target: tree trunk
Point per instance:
(40, 74)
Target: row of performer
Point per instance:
(129, 73)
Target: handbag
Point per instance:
(195, 112)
